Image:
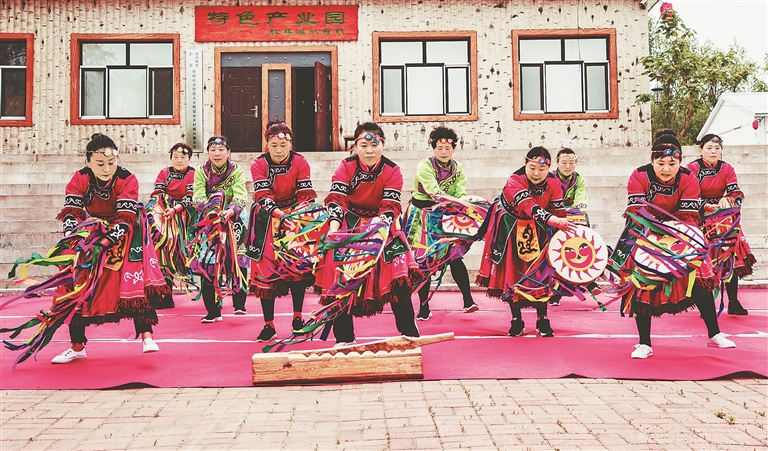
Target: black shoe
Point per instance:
(735, 308)
(554, 300)
(423, 315)
(517, 329)
(297, 324)
(543, 328)
(167, 302)
(268, 333)
(211, 319)
(471, 308)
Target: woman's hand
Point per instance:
(563, 224)
(333, 226)
(726, 202)
(288, 224)
(228, 213)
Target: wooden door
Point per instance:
(322, 108)
(241, 108)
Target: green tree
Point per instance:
(692, 76)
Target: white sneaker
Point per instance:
(149, 345)
(344, 344)
(70, 355)
(642, 352)
(719, 341)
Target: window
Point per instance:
(16, 52)
(564, 75)
(425, 76)
(126, 81)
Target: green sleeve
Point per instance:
(425, 175)
(580, 195)
(239, 191)
(198, 187)
(460, 187)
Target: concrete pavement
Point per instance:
(559, 414)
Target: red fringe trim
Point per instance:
(276, 290)
(157, 290)
(658, 310)
(482, 281)
(746, 270)
(560, 213)
(78, 213)
(135, 309)
(708, 283)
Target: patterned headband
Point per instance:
(184, 150)
(717, 140)
(109, 152)
(671, 151)
(218, 140)
(281, 135)
(540, 160)
(372, 137)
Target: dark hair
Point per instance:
(369, 127)
(665, 142)
(275, 127)
(222, 138)
(442, 133)
(662, 132)
(536, 153)
(185, 149)
(710, 137)
(565, 151)
(99, 141)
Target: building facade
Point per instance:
(504, 75)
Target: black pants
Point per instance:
(704, 302)
(460, 276)
(209, 297)
(541, 310)
(732, 288)
(77, 328)
(344, 327)
(297, 294)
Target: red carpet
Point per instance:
(588, 343)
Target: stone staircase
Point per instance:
(32, 191)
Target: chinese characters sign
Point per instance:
(194, 93)
(275, 23)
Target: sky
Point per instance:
(726, 21)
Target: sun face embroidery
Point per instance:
(689, 248)
(578, 257)
(460, 224)
(466, 223)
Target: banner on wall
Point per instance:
(275, 23)
(194, 92)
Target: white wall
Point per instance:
(54, 21)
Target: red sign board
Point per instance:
(275, 23)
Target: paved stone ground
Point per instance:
(559, 414)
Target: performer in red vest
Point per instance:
(129, 280)
(175, 182)
(518, 230)
(720, 189)
(666, 184)
(281, 181)
(366, 188)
